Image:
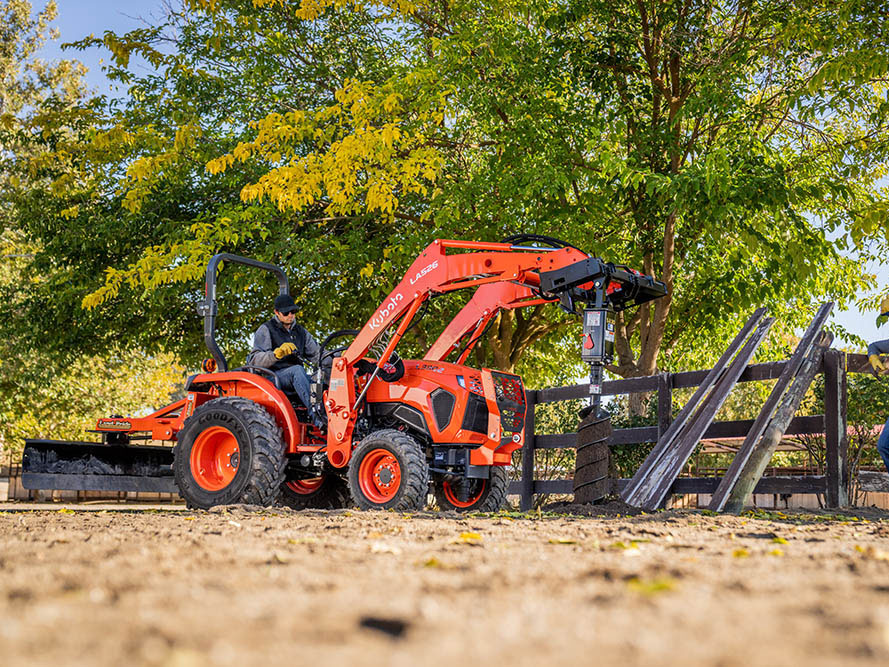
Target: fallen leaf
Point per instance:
(652, 586)
(561, 540)
(740, 553)
(624, 546)
(872, 553)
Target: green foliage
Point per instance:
(715, 146)
(39, 401)
(626, 459)
(48, 388)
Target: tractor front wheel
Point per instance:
(388, 471)
(230, 451)
(472, 495)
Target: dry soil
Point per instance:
(245, 586)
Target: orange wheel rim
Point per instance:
(305, 486)
(469, 502)
(215, 457)
(379, 476)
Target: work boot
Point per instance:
(318, 419)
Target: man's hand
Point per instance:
(877, 364)
(284, 350)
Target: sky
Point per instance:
(80, 18)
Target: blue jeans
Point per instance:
(295, 380)
(883, 444)
(878, 347)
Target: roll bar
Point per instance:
(208, 309)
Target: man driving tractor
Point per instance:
(283, 346)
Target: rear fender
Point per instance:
(259, 390)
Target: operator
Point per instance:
(874, 350)
(283, 346)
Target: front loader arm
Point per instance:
(433, 272)
(505, 276)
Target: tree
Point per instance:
(713, 145)
(46, 390)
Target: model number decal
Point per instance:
(423, 272)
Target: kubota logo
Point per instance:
(423, 272)
(387, 309)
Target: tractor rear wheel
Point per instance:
(388, 471)
(230, 451)
(328, 492)
(472, 495)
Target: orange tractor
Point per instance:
(395, 427)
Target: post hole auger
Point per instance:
(396, 428)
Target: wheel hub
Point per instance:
(379, 476)
(214, 459)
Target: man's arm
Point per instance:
(262, 354)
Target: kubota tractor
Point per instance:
(395, 427)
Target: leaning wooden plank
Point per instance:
(654, 489)
(665, 441)
(761, 453)
(768, 409)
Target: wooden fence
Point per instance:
(833, 485)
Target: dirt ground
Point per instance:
(244, 586)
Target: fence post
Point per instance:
(664, 403)
(527, 499)
(836, 440)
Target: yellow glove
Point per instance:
(876, 363)
(284, 350)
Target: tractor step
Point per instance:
(89, 466)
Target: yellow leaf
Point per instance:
(779, 540)
(740, 553)
(651, 587)
(470, 538)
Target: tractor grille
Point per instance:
(442, 407)
(510, 401)
(476, 416)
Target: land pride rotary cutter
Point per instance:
(395, 427)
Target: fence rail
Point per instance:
(834, 484)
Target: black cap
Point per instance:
(284, 304)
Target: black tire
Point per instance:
(389, 453)
(259, 467)
(331, 494)
(482, 495)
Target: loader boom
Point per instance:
(505, 275)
